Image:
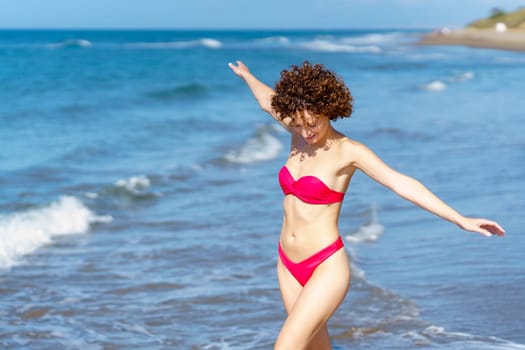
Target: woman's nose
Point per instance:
(307, 132)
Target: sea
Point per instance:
(140, 208)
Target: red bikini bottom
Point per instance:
(302, 271)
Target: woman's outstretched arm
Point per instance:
(417, 193)
(262, 92)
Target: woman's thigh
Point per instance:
(288, 285)
(310, 307)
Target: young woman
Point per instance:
(313, 268)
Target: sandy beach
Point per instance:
(489, 39)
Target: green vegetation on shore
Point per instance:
(513, 20)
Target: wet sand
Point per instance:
(489, 39)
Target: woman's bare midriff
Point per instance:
(307, 228)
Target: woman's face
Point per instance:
(313, 129)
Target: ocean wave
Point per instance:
(462, 77)
(377, 310)
(126, 189)
(280, 40)
(436, 85)
(23, 233)
(71, 43)
(377, 39)
(134, 188)
(369, 232)
(442, 84)
(134, 184)
(369, 43)
(204, 42)
(324, 45)
(211, 43)
(433, 335)
(261, 147)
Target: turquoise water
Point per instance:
(139, 203)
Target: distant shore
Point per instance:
(513, 40)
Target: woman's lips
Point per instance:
(311, 138)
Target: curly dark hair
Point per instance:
(312, 88)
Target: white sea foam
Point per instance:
(263, 146)
(441, 84)
(91, 195)
(282, 40)
(375, 39)
(357, 271)
(436, 85)
(334, 46)
(205, 42)
(211, 43)
(72, 43)
(435, 334)
(462, 77)
(24, 232)
(134, 184)
(196, 167)
(369, 232)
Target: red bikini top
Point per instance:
(309, 189)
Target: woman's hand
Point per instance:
(241, 70)
(262, 92)
(481, 226)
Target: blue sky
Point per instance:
(222, 14)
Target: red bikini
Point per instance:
(312, 190)
(309, 189)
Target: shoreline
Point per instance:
(511, 40)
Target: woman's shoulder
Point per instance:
(351, 149)
(350, 145)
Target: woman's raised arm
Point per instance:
(262, 92)
(414, 191)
